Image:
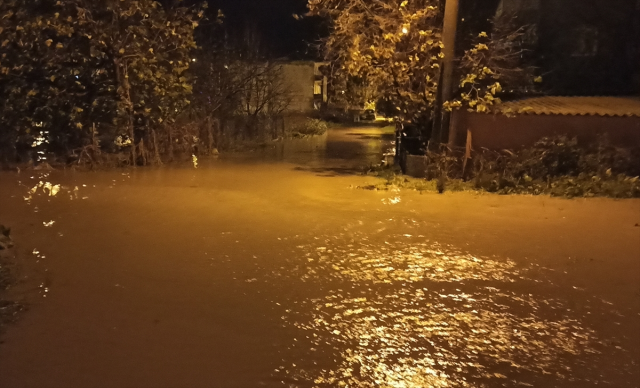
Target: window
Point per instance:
(585, 43)
(318, 68)
(317, 87)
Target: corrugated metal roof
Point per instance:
(575, 106)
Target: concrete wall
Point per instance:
(300, 78)
(502, 132)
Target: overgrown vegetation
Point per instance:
(123, 82)
(384, 48)
(493, 66)
(80, 77)
(238, 97)
(311, 127)
(391, 51)
(555, 166)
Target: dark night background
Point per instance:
(270, 25)
(272, 21)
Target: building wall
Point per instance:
(300, 78)
(502, 132)
(583, 47)
(588, 47)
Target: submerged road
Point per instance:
(271, 269)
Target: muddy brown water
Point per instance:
(270, 269)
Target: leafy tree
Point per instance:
(348, 91)
(396, 47)
(43, 95)
(71, 66)
(494, 65)
(151, 51)
(393, 45)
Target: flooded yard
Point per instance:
(271, 269)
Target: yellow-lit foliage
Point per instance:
(390, 47)
(67, 65)
(492, 66)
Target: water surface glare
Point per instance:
(406, 312)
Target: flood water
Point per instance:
(272, 269)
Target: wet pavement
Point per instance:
(271, 269)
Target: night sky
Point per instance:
(281, 34)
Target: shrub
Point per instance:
(557, 166)
(311, 127)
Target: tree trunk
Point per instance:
(210, 135)
(170, 138)
(125, 97)
(95, 144)
(133, 141)
(156, 150)
(217, 132)
(143, 152)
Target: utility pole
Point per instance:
(449, 40)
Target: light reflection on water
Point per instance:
(408, 262)
(42, 186)
(416, 314)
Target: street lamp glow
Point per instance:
(405, 30)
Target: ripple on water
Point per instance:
(417, 314)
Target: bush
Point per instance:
(311, 127)
(557, 166)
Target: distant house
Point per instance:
(585, 47)
(589, 53)
(307, 84)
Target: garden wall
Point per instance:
(502, 132)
